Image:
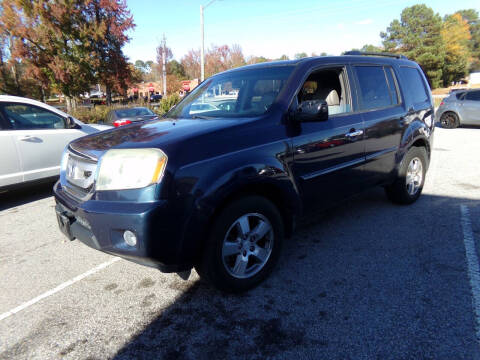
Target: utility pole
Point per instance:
(164, 68)
(202, 49)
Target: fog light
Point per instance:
(130, 238)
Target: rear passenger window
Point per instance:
(374, 90)
(392, 85)
(473, 95)
(414, 84)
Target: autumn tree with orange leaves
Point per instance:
(455, 34)
(68, 44)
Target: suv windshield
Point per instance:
(243, 93)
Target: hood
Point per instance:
(156, 134)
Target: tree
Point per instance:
(168, 57)
(48, 39)
(418, 36)
(140, 65)
(257, 60)
(108, 22)
(176, 69)
(371, 48)
(69, 44)
(456, 35)
(301, 55)
(235, 57)
(216, 60)
(473, 20)
(191, 64)
(283, 57)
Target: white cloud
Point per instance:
(340, 26)
(364, 22)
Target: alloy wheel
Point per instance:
(247, 245)
(414, 176)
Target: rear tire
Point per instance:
(449, 120)
(244, 245)
(411, 177)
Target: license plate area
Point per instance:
(64, 222)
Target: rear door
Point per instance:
(383, 115)
(471, 108)
(10, 166)
(40, 137)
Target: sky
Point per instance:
(268, 28)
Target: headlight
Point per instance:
(130, 168)
(63, 163)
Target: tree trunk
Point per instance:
(68, 102)
(44, 98)
(108, 92)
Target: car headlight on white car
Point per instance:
(122, 169)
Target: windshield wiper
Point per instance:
(203, 117)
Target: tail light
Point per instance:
(442, 103)
(118, 123)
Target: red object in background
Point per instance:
(135, 90)
(186, 85)
(118, 123)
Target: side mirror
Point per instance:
(70, 123)
(312, 110)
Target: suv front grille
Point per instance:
(79, 174)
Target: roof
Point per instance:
(24, 100)
(329, 59)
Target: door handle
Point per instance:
(354, 133)
(29, 138)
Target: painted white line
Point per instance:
(58, 288)
(472, 262)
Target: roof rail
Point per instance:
(370, 53)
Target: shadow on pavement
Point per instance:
(366, 280)
(26, 194)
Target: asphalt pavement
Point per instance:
(365, 280)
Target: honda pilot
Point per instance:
(218, 190)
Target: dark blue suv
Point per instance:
(219, 181)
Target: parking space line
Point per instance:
(472, 262)
(58, 288)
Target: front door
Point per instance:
(329, 155)
(10, 167)
(40, 137)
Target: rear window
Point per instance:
(415, 85)
(375, 91)
(125, 113)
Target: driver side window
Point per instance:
(29, 117)
(327, 85)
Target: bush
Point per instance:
(94, 114)
(98, 113)
(167, 103)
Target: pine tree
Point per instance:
(417, 35)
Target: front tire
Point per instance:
(449, 120)
(411, 177)
(244, 245)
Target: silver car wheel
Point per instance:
(247, 246)
(414, 176)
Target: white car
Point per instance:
(33, 136)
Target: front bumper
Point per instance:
(101, 224)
